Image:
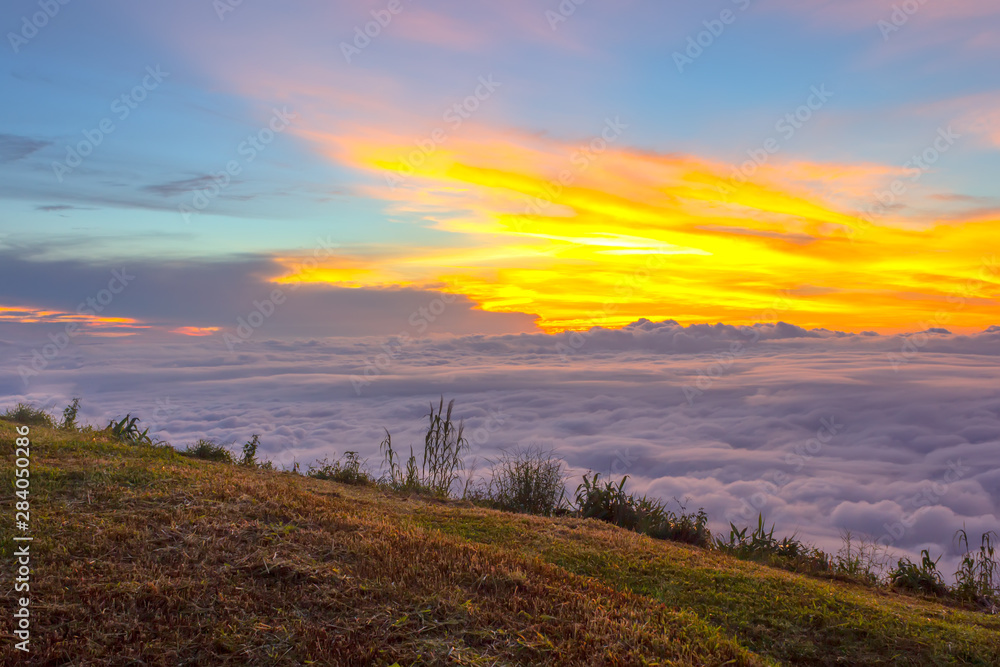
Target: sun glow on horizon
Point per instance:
(607, 238)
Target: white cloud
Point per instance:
(821, 431)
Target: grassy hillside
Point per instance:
(145, 556)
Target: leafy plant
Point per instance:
(977, 577)
(28, 415)
(127, 431)
(608, 501)
(922, 578)
(762, 546)
(741, 545)
(249, 457)
(69, 415)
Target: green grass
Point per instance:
(28, 415)
(609, 502)
(349, 470)
(147, 556)
(206, 450)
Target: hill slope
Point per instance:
(144, 555)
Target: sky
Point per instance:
(687, 235)
(581, 164)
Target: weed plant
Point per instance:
(526, 481)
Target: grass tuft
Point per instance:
(525, 481)
(978, 577)
(206, 450)
(608, 502)
(348, 471)
(922, 577)
(441, 464)
(29, 415)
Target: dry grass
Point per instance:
(165, 561)
(148, 557)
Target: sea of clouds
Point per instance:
(890, 436)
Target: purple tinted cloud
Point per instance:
(819, 430)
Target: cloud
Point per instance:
(13, 147)
(594, 232)
(183, 186)
(55, 208)
(862, 14)
(819, 430)
(188, 295)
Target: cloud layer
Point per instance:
(897, 437)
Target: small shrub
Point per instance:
(249, 457)
(347, 471)
(207, 450)
(608, 501)
(687, 528)
(761, 546)
(69, 416)
(28, 415)
(527, 481)
(127, 431)
(861, 559)
(922, 578)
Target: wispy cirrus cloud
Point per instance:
(14, 147)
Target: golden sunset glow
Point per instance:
(582, 237)
(92, 324)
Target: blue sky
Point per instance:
(226, 71)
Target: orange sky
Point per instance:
(604, 235)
